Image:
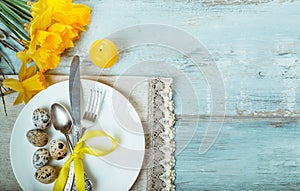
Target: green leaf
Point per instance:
(20, 6)
(19, 33)
(11, 15)
(19, 12)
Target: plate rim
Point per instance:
(13, 132)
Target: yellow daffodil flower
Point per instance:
(41, 21)
(48, 40)
(55, 25)
(30, 83)
(77, 16)
(45, 59)
(23, 57)
(67, 34)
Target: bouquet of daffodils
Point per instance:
(45, 28)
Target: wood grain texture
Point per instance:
(248, 155)
(256, 48)
(256, 45)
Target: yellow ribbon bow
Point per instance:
(77, 157)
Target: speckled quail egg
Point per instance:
(58, 149)
(46, 174)
(41, 118)
(37, 137)
(41, 157)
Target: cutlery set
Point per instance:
(71, 123)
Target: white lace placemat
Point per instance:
(151, 97)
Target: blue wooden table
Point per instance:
(246, 115)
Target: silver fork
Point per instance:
(89, 118)
(92, 108)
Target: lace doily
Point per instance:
(160, 143)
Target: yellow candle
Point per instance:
(103, 53)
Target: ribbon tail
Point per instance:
(79, 175)
(62, 177)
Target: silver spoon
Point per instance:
(62, 122)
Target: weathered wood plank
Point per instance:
(248, 155)
(254, 46)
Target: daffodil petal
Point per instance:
(45, 59)
(28, 96)
(23, 56)
(48, 40)
(41, 21)
(81, 14)
(31, 83)
(60, 5)
(66, 32)
(30, 71)
(38, 8)
(13, 84)
(34, 83)
(22, 72)
(19, 98)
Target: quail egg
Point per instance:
(46, 174)
(58, 149)
(37, 137)
(41, 118)
(41, 157)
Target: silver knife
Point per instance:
(75, 95)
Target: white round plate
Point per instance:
(116, 171)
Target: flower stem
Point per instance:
(7, 62)
(8, 45)
(20, 42)
(2, 93)
(3, 101)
